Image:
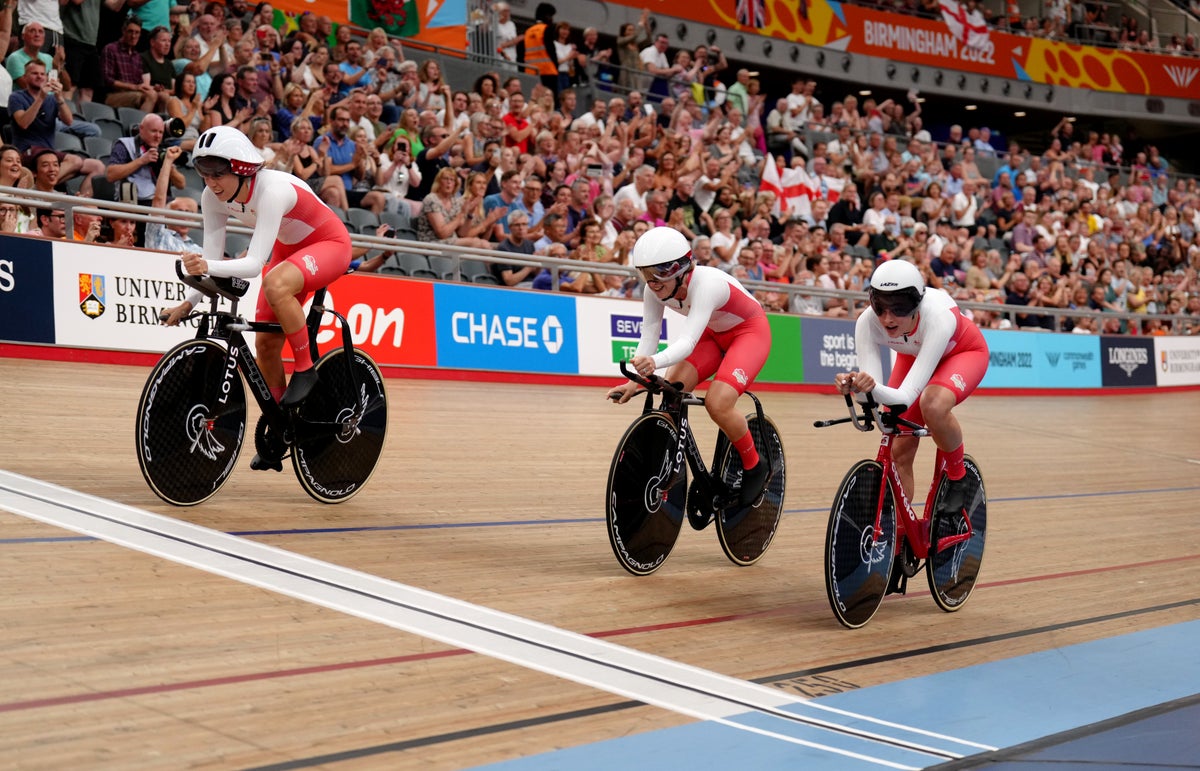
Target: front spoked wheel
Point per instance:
(858, 557)
(340, 427)
(191, 421)
(746, 533)
(645, 497)
(954, 559)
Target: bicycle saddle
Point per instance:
(229, 287)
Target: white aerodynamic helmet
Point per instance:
(662, 254)
(225, 150)
(898, 286)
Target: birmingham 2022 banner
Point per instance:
(955, 41)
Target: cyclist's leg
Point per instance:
(745, 352)
(293, 277)
(955, 378)
(684, 372)
(268, 351)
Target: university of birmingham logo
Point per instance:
(1181, 76)
(91, 295)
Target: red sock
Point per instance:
(745, 447)
(954, 463)
(299, 342)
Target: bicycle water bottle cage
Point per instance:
(229, 287)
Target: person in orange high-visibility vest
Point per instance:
(539, 53)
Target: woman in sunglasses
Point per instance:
(726, 336)
(941, 357)
(299, 245)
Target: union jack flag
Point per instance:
(752, 13)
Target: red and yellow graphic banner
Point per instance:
(952, 41)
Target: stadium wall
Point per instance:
(71, 301)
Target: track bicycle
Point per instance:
(872, 547)
(191, 418)
(648, 492)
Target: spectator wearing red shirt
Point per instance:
(518, 131)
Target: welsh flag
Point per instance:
(794, 189)
(398, 18)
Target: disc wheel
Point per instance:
(340, 427)
(191, 420)
(952, 570)
(645, 500)
(746, 533)
(858, 558)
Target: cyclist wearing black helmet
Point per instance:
(726, 336)
(299, 245)
(941, 357)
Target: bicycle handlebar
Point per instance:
(654, 384)
(230, 288)
(871, 416)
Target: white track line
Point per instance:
(668, 684)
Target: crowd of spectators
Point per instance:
(673, 138)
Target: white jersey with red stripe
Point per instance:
(282, 210)
(940, 325)
(715, 300)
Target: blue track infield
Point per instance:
(1127, 702)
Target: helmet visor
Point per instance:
(667, 270)
(899, 303)
(210, 166)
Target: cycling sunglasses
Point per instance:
(210, 166)
(898, 304)
(667, 270)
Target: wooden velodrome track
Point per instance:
(492, 494)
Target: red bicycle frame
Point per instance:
(915, 528)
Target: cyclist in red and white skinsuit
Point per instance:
(299, 245)
(726, 336)
(941, 357)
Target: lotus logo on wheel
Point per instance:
(552, 334)
(199, 432)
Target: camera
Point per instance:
(173, 128)
(389, 233)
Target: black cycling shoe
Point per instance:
(260, 463)
(954, 497)
(754, 483)
(300, 387)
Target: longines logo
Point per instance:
(1128, 359)
(1181, 76)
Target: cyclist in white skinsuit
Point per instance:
(941, 357)
(299, 245)
(726, 336)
